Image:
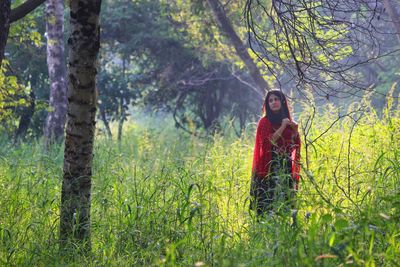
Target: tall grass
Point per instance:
(164, 198)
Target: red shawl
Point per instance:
(289, 142)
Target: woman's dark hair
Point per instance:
(276, 118)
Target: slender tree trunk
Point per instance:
(54, 129)
(105, 121)
(394, 16)
(25, 118)
(227, 29)
(122, 113)
(5, 11)
(84, 44)
(121, 118)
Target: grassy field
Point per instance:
(163, 198)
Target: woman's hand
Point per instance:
(286, 122)
(278, 133)
(294, 125)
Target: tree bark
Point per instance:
(84, 44)
(5, 11)
(54, 129)
(394, 16)
(241, 50)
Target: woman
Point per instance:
(275, 171)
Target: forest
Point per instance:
(133, 132)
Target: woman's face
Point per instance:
(274, 103)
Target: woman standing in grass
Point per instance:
(275, 171)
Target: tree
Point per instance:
(54, 128)
(226, 27)
(25, 118)
(84, 44)
(12, 98)
(319, 44)
(119, 42)
(394, 16)
(26, 64)
(167, 67)
(7, 16)
(5, 9)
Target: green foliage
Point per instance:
(25, 31)
(164, 198)
(13, 96)
(151, 58)
(26, 54)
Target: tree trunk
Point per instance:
(5, 11)
(122, 113)
(25, 119)
(394, 16)
(105, 121)
(84, 44)
(121, 118)
(227, 29)
(54, 129)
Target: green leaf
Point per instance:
(326, 218)
(340, 224)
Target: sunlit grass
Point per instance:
(162, 197)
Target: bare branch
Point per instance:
(321, 44)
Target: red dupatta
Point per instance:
(289, 142)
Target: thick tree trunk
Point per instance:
(84, 44)
(227, 29)
(394, 16)
(54, 129)
(5, 11)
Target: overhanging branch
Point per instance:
(24, 9)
